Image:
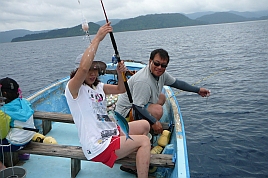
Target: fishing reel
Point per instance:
(115, 58)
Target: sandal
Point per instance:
(129, 170)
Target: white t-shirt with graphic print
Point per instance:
(95, 128)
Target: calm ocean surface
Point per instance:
(227, 134)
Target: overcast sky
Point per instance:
(38, 15)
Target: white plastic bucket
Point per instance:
(13, 172)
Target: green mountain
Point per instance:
(7, 36)
(146, 22)
(155, 21)
(263, 18)
(59, 33)
(113, 21)
(222, 17)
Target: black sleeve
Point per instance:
(142, 113)
(185, 86)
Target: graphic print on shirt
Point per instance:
(100, 109)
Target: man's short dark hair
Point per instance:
(162, 53)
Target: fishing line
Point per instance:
(85, 26)
(204, 79)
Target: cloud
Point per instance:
(51, 14)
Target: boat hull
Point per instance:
(52, 99)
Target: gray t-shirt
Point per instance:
(144, 89)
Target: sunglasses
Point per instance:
(158, 64)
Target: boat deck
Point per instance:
(55, 167)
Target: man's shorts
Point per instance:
(108, 156)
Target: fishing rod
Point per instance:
(111, 35)
(140, 110)
(117, 56)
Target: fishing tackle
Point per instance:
(143, 113)
(116, 56)
(205, 78)
(85, 26)
(114, 59)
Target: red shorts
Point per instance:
(108, 156)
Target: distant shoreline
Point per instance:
(145, 22)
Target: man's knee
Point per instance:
(156, 110)
(146, 126)
(161, 99)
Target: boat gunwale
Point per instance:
(35, 96)
(180, 131)
(174, 106)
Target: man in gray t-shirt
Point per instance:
(146, 86)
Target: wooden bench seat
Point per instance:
(49, 117)
(76, 155)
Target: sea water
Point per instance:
(227, 134)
